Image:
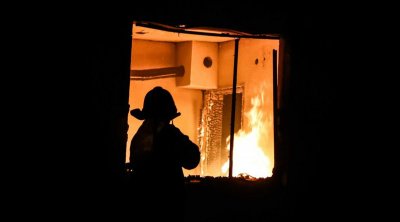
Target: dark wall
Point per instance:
(309, 125)
(73, 81)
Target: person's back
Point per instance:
(159, 150)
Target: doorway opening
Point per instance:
(197, 66)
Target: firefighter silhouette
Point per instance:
(158, 152)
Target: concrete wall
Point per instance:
(197, 75)
(152, 54)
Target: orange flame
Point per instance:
(248, 155)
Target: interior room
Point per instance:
(203, 73)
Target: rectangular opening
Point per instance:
(197, 67)
(216, 124)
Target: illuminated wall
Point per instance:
(255, 73)
(152, 54)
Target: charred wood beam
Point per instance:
(147, 74)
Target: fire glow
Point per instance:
(248, 155)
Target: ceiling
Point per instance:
(178, 35)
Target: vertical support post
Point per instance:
(275, 99)
(232, 132)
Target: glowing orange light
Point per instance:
(248, 155)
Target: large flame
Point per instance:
(248, 155)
